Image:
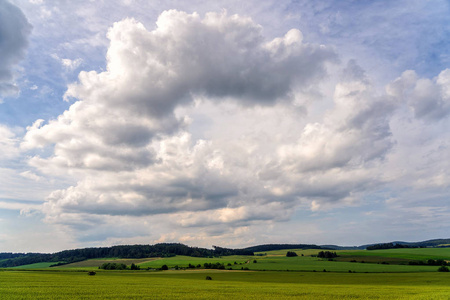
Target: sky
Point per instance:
(228, 123)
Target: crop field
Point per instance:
(94, 263)
(64, 284)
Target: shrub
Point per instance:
(91, 273)
(208, 278)
(164, 268)
(291, 254)
(443, 269)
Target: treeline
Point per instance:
(118, 266)
(128, 251)
(7, 255)
(327, 254)
(270, 247)
(389, 246)
(430, 262)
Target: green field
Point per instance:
(41, 265)
(403, 253)
(224, 285)
(272, 276)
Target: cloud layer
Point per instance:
(203, 128)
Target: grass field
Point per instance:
(268, 278)
(403, 253)
(41, 265)
(224, 285)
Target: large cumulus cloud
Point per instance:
(127, 143)
(150, 73)
(14, 31)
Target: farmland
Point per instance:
(265, 276)
(224, 284)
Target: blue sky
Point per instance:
(229, 123)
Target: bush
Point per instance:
(208, 278)
(443, 269)
(91, 273)
(164, 268)
(291, 254)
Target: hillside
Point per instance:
(127, 251)
(172, 249)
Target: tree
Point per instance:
(291, 254)
(443, 269)
(164, 268)
(327, 254)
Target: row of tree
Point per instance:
(271, 247)
(389, 246)
(327, 254)
(119, 266)
(430, 262)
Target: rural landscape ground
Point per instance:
(354, 274)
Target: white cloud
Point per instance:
(70, 64)
(14, 31)
(30, 175)
(19, 206)
(428, 98)
(8, 143)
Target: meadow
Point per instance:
(273, 275)
(191, 284)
